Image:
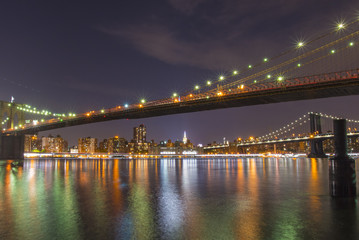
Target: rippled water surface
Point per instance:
(247, 198)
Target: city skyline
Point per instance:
(102, 60)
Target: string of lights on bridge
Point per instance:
(267, 73)
(5, 120)
(340, 26)
(299, 122)
(34, 110)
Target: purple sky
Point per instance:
(85, 55)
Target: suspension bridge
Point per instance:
(311, 128)
(324, 66)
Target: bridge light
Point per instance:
(196, 87)
(265, 60)
(269, 76)
(242, 86)
(221, 77)
(280, 78)
(235, 72)
(299, 65)
(333, 51)
(220, 93)
(191, 95)
(174, 94)
(143, 101)
(351, 44)
(126, 105)
(340, 26)
(249, 66)
(140, 105)
(255, 81)
(209, 83)
(102, 110)
(300, 44)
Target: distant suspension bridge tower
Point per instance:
(316, 145)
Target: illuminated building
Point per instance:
(103, 146)
(87, 145)
(32, 143)
(139, 134)
(117, 145)
(52, 144)
(139, 143)
(184, 138)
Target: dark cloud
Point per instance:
(219, 35)
(186, 6)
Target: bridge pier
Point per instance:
(12, 147)
(316, 145)
(342, 177)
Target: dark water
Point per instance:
(172, 199)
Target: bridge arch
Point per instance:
(11, 111)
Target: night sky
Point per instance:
(76, 56)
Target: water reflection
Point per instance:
(249, 198)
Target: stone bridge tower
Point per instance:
(12, 111)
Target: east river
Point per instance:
(235, 198)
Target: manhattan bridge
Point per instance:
(327, 65)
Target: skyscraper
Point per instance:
(139, 134)
(87, 145)
(184, 138)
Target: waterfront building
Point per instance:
(32, 143)
(103, 146)
(139, 143)
(139, 134)
(52, 144)
(87, 145)
(117, 145)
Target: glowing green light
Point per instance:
(143, 100)
(280, 78)
(333, 51)
(255, 81)
(235, 72)
(300, 44)
(340, 26)
(221, 77)
(249, 66)
(265, 60)
(174, 94)
(196, 87)
(351, 44)
(269, 76)
(209, 83)
(299, 65)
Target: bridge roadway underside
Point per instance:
(292, 93)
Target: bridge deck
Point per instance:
(319, 86)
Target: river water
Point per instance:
(236, 198)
